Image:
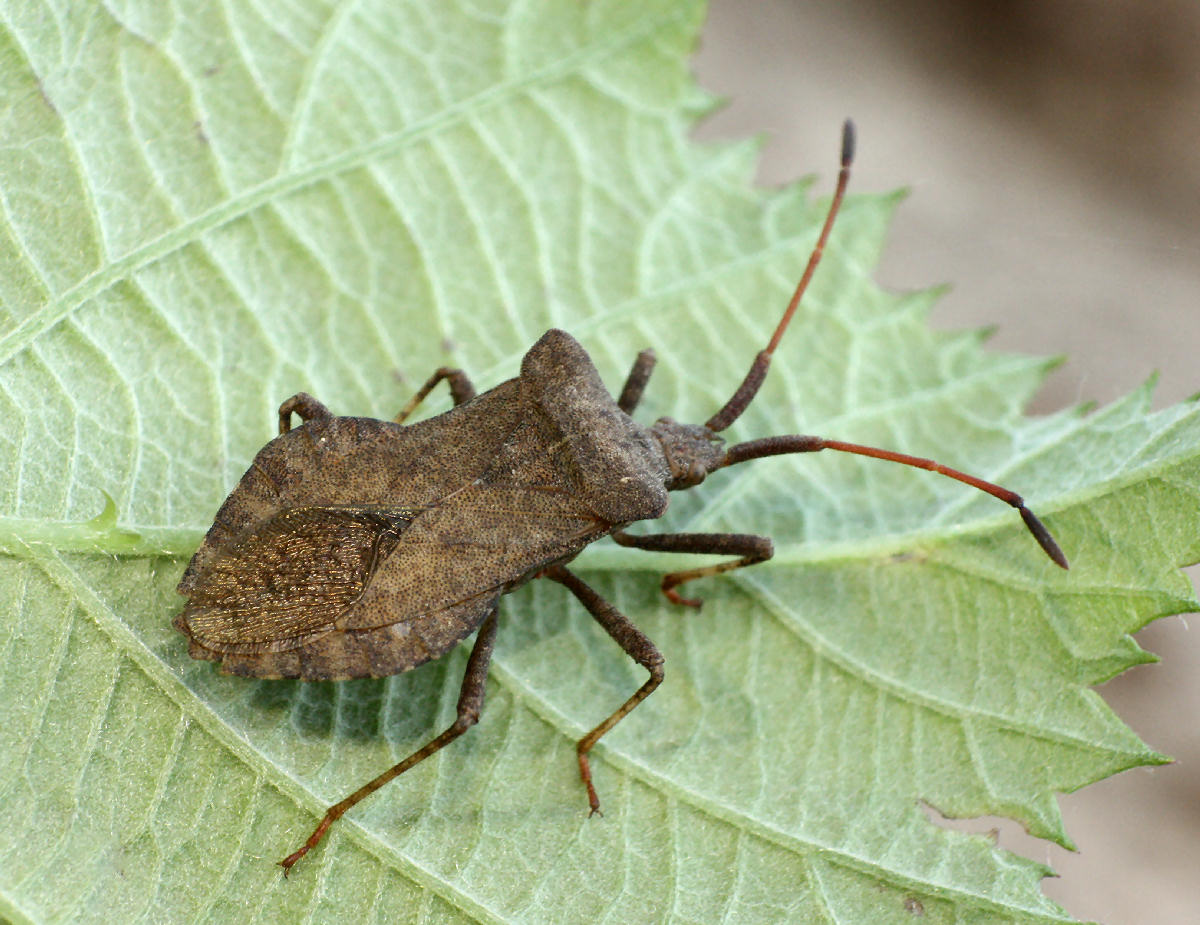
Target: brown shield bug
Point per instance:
(359, 548)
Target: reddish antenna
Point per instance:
(758, 369)
(802, 443)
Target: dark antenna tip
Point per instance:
(745, 392)
(1042, 535)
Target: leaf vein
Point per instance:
(46, 318)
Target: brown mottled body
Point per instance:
(356, 548)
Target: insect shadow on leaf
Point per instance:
(360, 548)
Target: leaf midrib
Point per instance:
(20, 534)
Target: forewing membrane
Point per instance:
(289, 578)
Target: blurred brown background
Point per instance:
(1053, 152)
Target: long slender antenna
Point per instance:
(803, 443)
(758, 369)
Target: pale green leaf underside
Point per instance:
(205, 208)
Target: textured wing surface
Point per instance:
(361, 462)
(372, 653)
(288, 578)
(520, 515)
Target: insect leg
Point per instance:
(635, 383)
(470, 703)
(751, 549)
(304, 405)
(637, 645)
(461, 390)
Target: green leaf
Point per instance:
(208, 207)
